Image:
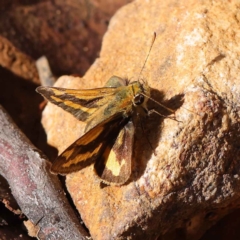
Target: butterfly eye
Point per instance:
(138, 99)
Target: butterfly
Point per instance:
(109, 133)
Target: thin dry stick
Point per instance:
(37, 192)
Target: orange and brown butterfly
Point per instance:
(109, 133)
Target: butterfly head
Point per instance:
(141, 91)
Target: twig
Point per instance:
(37, 192)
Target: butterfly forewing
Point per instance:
(80, 103)
(90, 146)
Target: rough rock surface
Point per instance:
(67, 32)
(194, 179)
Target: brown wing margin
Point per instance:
(88, 148)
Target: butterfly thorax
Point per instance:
(127, 99)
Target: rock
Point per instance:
(194, 178)
(19, 63)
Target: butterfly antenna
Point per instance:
(153, 40)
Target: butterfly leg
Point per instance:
(154, 111)
(146, 134)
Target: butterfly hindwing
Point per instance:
(115, 164)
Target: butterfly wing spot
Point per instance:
(114, 165)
